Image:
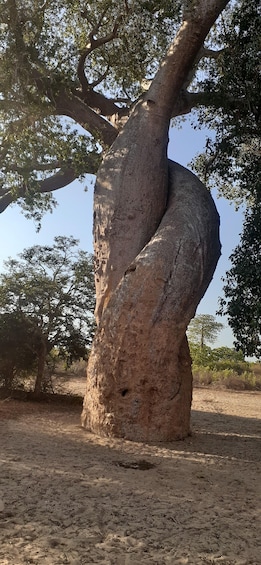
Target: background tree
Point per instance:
(155, 227)
(218, 359)
(49, 294)
(242, 291)
(204, 329)
(231, 160)
(18, 348)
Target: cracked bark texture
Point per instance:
(139, 383)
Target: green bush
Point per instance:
(226, 378)
(219, 359)
(238, 367)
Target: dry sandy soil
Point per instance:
(69, 497)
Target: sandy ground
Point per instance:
(68, 497)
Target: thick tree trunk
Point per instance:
(156, 248)
(139, 383)
(132, 184)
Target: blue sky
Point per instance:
(73, 216)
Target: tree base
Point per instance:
(147, 408)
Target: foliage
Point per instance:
(227, 378)
(18, 347)
(232, 156)
(242, 301)
(59, 59)
(203, 328)
(73, 347)
(219, 359)
(50, 291)
(223, 366)
(69, 59)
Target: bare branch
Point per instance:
(126, 101)
(203, 52)
(5, 201)
(60, 179)
(188, 100)
(105, 106)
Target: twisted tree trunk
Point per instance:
(156, 248)
(139, 383)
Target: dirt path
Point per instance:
(69, 497)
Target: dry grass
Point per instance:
(228, 379)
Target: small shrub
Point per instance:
(256, 369)
(227, 378)
(234, 382)
(238, 367)
(202, 376)
(78, 368)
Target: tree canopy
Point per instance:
(66, 93)
(203, 328)
(242, 291)
(49, 295)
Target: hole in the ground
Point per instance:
(124, 392)
(140, 465)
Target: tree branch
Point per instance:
(60, 179)
(211, 53)
(189, 100)
(12, 167)
(203, 52)
(95, 44)
(67, 104)
(174, 71)
(105, 106)
(100, 79)
(94, 99)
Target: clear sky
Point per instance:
(73, 216)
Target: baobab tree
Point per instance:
(122, 71)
